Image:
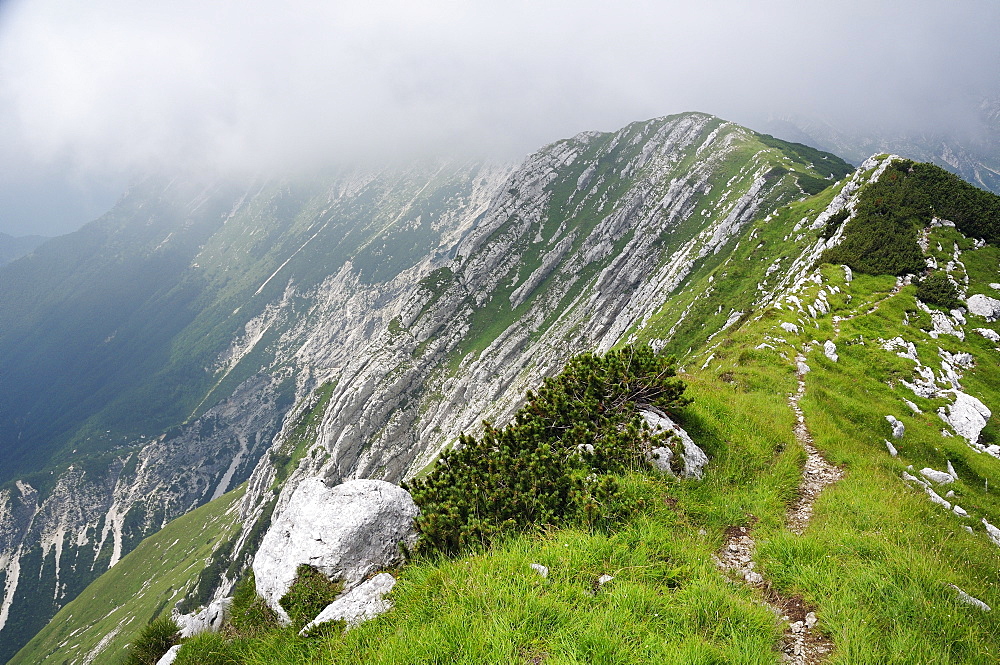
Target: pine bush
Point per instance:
(556, 461)
(937, 289)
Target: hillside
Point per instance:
(803, 364)
(463, 284)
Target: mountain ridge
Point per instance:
(606, 224)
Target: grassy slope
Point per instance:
(144, 584)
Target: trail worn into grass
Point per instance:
(817, 472)
(900, 283)
(801, 644)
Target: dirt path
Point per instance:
(801, 644)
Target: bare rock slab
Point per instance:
(346, 532)
(693, 457)
(360, 604)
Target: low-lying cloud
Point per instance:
(114, 86)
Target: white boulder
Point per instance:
(984, 306)
(346, 532)
(363, 602)
(939, 477)
(170, 656)
(967, 416)
(991, 335)
(898, 428)
(207, 619)
(693, 457)
(992, 532)
(790, 327)
(970, 600)
(830, 350)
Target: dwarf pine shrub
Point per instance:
(937, 289)
(555, 462)
(881, 238)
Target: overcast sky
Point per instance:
(93, 93)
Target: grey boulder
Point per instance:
(693, 458)
(346, 532)
(361, 603)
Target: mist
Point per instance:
(91, 95)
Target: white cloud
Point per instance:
(110, 86)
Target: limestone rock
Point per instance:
(346, 532)
(984, 306)
(360, 604)
(207, 619)
(939, 477)
(993, 532)
(540, 569)
(169, 657)
(967, 416)
(891, 448)
(830, 350)
(970, 600)
(991, 335)
(790, 327)
(693, 457)
(898, 428)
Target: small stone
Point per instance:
(540, 569)
(604, 579)
(898, 429)
(811, 619)
(753, 578)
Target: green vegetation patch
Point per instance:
(881, 238)
(552, 465)
(937, 289)
(309, 594)
(154, 641)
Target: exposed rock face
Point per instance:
(967, 416)
(830, 350)
(93, 517)
(169, 657)
(984, 306)
(693, 458)
(363, 602)
(207, 619)
(346, 532)
(898, 428)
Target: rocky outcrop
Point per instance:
(346, 532)
(365, 601)
(693, 459)
(898, 428)
(984, 306)
(170, 656)
(208, 619)
(967, 416)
